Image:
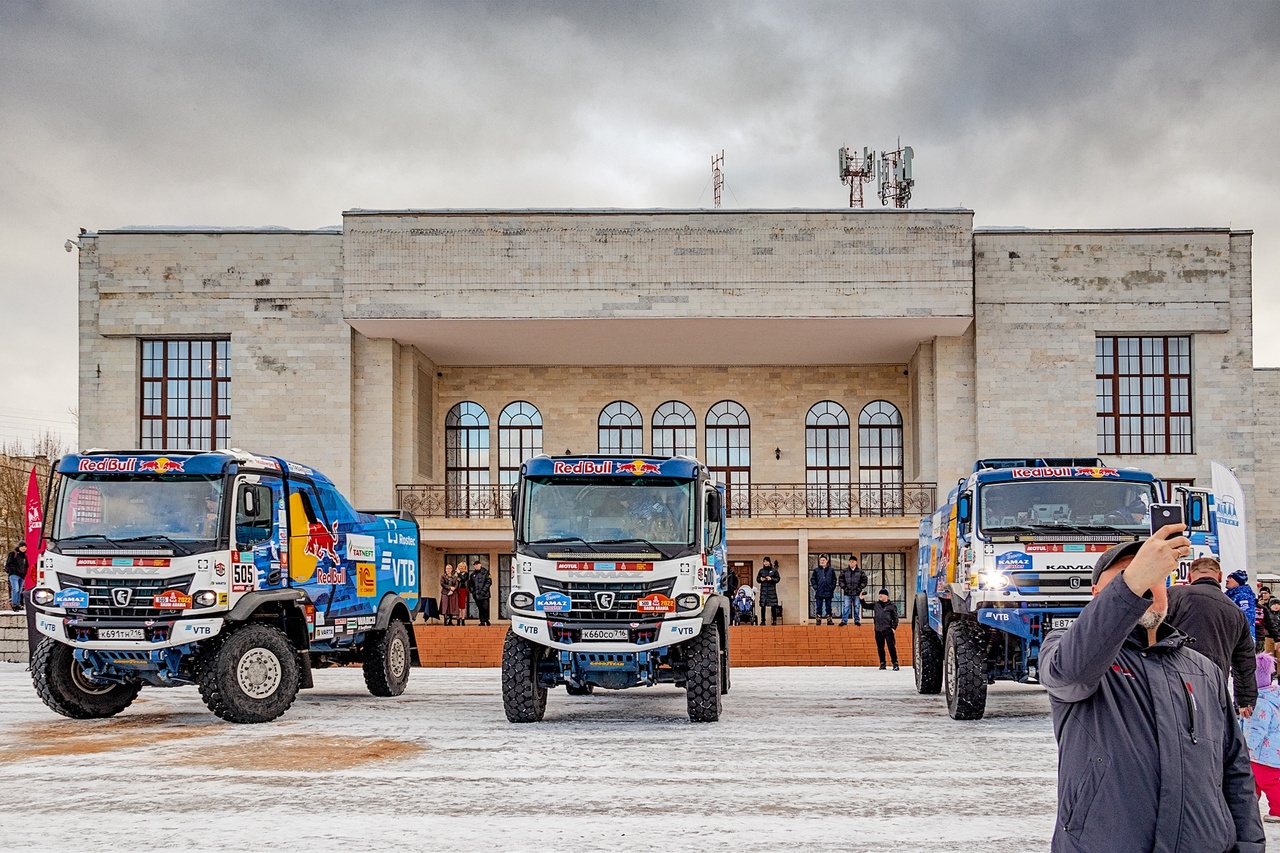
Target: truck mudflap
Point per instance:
(1030, 623)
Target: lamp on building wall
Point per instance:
(777, 453)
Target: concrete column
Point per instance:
(802, 576)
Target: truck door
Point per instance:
(256, 535)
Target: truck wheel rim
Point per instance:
(84, 685)
(397, 657)
(951, 670)
(258, 673)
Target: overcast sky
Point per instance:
(1071, 115)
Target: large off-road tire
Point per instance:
(61, 684)
(926, 652)
(386, 660)
(523, 699)
(581, 690)
(250, 674)
(702, 680)
(965, 668)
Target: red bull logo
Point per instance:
(1097, 473)
(321, 542)
(638, 467)
(163, 465)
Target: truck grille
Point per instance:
(625, 595)
(1052, 583)
(142, 591)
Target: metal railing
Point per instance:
(758, 500)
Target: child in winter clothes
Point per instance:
(1262, 733)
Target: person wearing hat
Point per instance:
(1150, 755)
(1262, 733)
(886, 622)
(1200, 610)
(1239, 591)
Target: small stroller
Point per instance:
(744, 606)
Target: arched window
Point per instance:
(826, 459)
(880, 459)
(729, 453)
(621, 429)
(466, 460)
(519, 438)
(675, 431)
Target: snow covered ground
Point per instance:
(819, 759)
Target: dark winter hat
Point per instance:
(1124, 549)
(1240, 576)
(883, 592)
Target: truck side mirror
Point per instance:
(964, 509)
(714, 509)
(250, 503)
(1197, 518)
(515, 490)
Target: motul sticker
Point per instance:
(1091, 547)
(171, 599)
(656, 603)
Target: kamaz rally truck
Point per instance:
(616, 582)
(234, 572)
(1008, 558)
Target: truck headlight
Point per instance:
(994, 580)
(205, 598)
(42, 596)
(688, 601)
(522, 600)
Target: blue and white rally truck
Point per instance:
(617, 582)
(234, 572)
(1009, 557)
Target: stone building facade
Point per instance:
(351, 349)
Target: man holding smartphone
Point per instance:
(1150, 755)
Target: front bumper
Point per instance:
(551, 632)
(82, 632)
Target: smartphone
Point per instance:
(1162, 514)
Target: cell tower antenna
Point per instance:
(717, 175)
(895, 176)
(856, 171)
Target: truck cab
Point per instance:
(224, 569)
(617, 581)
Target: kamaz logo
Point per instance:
(121, 596)
(1227, 514)
(605, 600)
(1073, 582)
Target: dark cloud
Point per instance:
(1048, 114)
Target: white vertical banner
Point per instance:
(1228, 502)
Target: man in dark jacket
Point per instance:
(886, 622)
(1203, 612)
(15, 566)
(730, 588)
(853, 582)
(767, 579)
(481, 586)
(822, 580)
(1150, 756)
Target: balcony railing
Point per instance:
(759, 500)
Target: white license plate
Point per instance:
(1061, 622)
(605, 634)
(121, 634)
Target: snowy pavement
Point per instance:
(820, 758)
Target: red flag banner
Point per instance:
(35, 524)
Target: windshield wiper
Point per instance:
(1009, 528)
(113, 543)
(645, 542)
(561, 540)
(176, 547)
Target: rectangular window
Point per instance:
(1142, 387)
(186, 395)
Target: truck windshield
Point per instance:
(1090, 504)
(583, 513)
(183, 513)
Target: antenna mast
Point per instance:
(895, 176)
(717, 175)
(855, 171)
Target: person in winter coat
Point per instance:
(1271, 623)
(1200, 610)
(1150, 756)
(15, 566)
(822, 580)
(449, 595)
(1264, 643)
(464, 588)
(731, 582)
(1262, 733)
(886, 622)
(853, 583)
(767, 580)
(481, 588)
(1239, 591)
